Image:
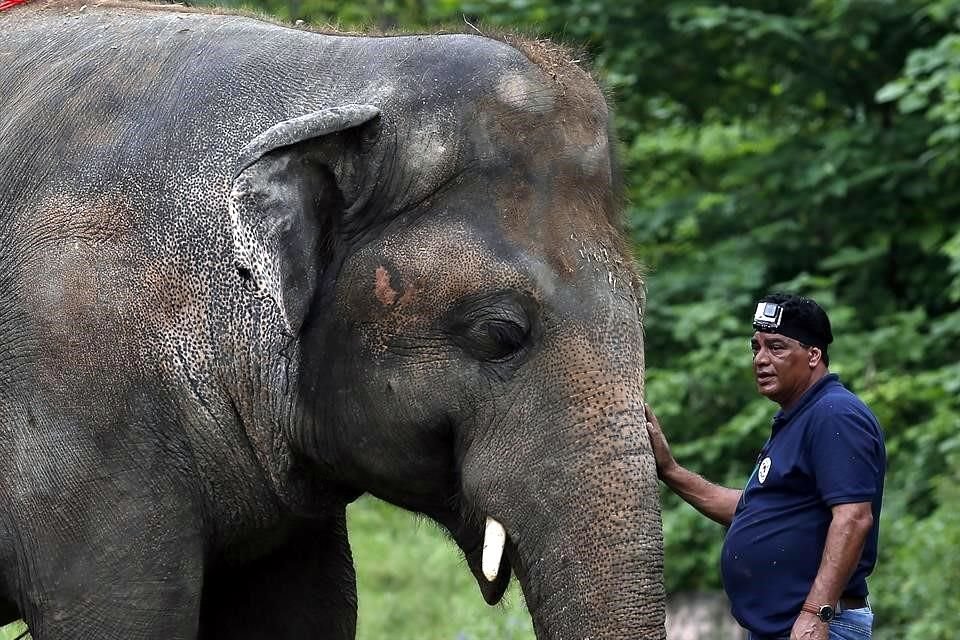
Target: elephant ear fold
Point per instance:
(287, 191)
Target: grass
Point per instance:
(13, 630)
(413, 584)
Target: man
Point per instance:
(803, 533)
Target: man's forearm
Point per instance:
(712, 500)
(845, 540)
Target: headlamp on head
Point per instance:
(767, 317)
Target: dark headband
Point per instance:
(772, 317)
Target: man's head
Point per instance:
(789, 346)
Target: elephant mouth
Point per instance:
(489, 561)
(488, 551)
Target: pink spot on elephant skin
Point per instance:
(382, 289)
(409, 293)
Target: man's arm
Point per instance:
(712, 500)
(845, 540)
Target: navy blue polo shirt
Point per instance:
(826, 450)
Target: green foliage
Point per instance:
(925, 567)
(930, 85)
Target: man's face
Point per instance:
(782, 367)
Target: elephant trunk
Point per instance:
(564, 463)
(583, 533)
(597, 571)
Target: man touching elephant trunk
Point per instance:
(252, 272)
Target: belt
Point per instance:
(851, 602)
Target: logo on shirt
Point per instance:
(764, 469)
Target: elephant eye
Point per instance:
(492, 331)
(497, 339)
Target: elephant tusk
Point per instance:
(494, 538)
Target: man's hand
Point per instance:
(809, 627)
(716, 502)
(658, 441)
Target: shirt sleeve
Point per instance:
(847, 455)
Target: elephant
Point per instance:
(251, 271)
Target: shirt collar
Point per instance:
(783, 417)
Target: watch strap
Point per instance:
(824, 611)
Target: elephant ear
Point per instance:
(287, 190)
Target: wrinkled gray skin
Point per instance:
(231, 303)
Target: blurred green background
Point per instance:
(802, 145)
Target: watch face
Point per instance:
(826, 613)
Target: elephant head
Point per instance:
(466, 324)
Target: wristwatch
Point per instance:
(825, 612)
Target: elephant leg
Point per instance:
(128, 577)
(305, 588)
(104, 539)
